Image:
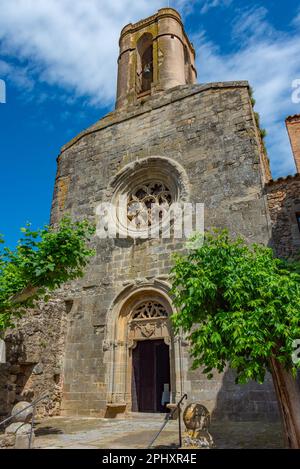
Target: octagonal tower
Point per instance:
(155, 55)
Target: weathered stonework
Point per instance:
(293, 128)
(284, 201)
(203, 142)
(209, 131)
(284, 205)
(35, 359)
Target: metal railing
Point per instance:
(33, 405)
(169, 417)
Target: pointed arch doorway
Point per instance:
(151, 382)
(151, 377)
(144, 359)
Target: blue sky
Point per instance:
(58, 59)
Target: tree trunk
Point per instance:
(288, 395)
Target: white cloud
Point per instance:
(268, 59)
(252, 24)
(209, 4)
(18, 75)
(74, 44)
(296, 20)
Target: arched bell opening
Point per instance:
(187, 66)
(144, 63)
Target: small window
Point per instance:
(147, 68)
(298, 219)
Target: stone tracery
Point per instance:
(150, 309)
(144, 193)
(147, 202)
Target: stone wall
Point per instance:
(5, 388)
(210, 132)
(35, 359)
(293, 128)
(284, 204)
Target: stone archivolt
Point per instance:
(139, 313)
(148, 310)
(146, 200)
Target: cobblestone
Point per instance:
(135, 433)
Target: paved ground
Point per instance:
(93, 433)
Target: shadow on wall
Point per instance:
(284, 207)
(15, 374)
(47, 430)
(4, 377)
(248, 402)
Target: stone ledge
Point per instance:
(156, 101)
(116, 405)
(7, 441)
(283, 179)
(162, 12)
(115, 410)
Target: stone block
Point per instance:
(24, 416)
(7, 441)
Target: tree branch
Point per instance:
(25, 294)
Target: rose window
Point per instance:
(145, 194)
(148, 204)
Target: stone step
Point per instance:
(147, 415)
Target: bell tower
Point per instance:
(155, 55)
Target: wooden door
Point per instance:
(150, 372)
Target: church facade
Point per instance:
(104, 345)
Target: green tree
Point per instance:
(42, 262)
(239, 305)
